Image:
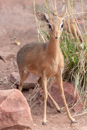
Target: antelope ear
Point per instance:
(64, 10)
(42, 17)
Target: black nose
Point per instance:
(56, 37)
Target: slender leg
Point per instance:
(53, 101)
(20, 87)
(23, 76)
(60, 85)
(44, 83)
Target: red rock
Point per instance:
(31, 80)
(14, 78)
(6, 55)
(1, 58)
(14, 111)
(69, 90)
(1, 64)
(78, 107)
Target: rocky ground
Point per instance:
(17, 22)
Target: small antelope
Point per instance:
(45, 60)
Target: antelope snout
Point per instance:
(56, 37)
(57, 34)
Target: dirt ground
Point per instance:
(17, 22)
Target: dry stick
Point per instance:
(80, 114)
(14, 83)
(33, 95)
(53, 5)
(38, 25)
(83, 16)
(75, 13)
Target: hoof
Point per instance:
(19, 88)
(43, 123)
(74, 121)
(59, 111)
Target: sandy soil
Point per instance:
(17, 22)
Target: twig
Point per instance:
(80, 114)
(14, 84)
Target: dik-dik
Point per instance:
(45, 59)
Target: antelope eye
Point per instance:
(50, 26)
(61, 26)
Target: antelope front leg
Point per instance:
(53, 101)
(60, 85)
(44, 82)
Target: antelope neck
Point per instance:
(53, 46)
